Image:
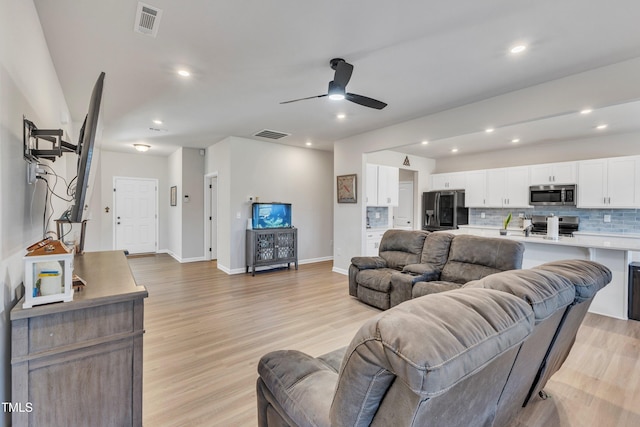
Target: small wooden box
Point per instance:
(48, 273)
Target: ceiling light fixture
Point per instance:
(336, 93)
(341, 116)
(158, 122)
(489, 130)
(519, 48)
(515, 140)
(184, 73)
(454, 150)
(603, 126)
(308, 143)
(142, 147)
(425, 142)
(586, 111)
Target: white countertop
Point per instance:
(584, 240)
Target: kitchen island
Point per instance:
(614, 251)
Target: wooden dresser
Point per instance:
(79, 363)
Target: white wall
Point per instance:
(174, 217)
(192, 211)
(272, 172)
(134, 165)
(28, 86)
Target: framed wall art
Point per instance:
(347, 188)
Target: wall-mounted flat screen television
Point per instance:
(271, 215)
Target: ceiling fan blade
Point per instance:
(343, 73)
(302, 99)
(363, 100)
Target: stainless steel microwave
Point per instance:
(553, 195)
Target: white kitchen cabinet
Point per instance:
(371, 185)
(448, 181)
(372, 242)
(609, 183)
(476, 190)
(508, 187)
(382, 186)
(553, 173)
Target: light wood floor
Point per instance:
(205, 332)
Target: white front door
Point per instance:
(403, 214)
(135, 214)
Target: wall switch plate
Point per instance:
(607, 218)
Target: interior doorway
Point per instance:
(211, 217)
(135, 219)
(403, 214)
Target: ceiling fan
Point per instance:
(337, 87)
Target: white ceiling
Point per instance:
(420, 57)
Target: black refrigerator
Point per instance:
(443, 210)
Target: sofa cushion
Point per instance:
(544, 291)
(436, 249)
(473, 257)
(296, 380)
(378, 279)
(401, 247)
(430, 344)
(422, 288)
(588, 277)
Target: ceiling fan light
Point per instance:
(336, 93)
(142, 147)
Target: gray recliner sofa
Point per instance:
(370, 277)
(463, 357)
(415, 263)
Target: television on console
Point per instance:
(85, 151)
(271, 215)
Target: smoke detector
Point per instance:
(147, 19)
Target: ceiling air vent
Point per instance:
(271, 134)
(147, 19)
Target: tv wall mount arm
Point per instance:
(32, 136)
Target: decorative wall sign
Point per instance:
(173, 196)
(347, 189)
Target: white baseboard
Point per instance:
(340, 271)
(314, 260)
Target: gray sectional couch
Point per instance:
(417, 263)
(469, 356)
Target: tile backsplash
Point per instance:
(623, 221)
(377, 216)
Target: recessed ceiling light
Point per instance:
(515, 140)
(308, 143)
(518, 49)
(158, 122)
(603, 126)
(341, 116)
(425, 142)
(184, 73)
(586, 111)
(142, 147)
(454, 150)
(489, 130)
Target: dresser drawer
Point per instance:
(76, 326)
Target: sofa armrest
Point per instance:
(368, 262)
(298, 386)
(426, 272)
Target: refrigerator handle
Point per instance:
(436, 210)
